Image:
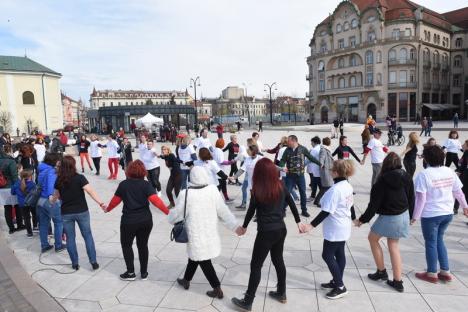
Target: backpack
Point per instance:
(33, 196)
(3, 179)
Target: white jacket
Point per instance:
(204, 207)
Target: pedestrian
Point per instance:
(48, 208)
(126, 153)
(314, 169)
(83, 146)
(344, 151)
(21, 188)
(430, 124)
(71, 187)
(218, 157)
(113, 155)
(326, 176)
(293, 161)
(269, 197)
(149, 157)
(238, 123)
(9, 171)
(455, 120)
(336, 214)
(233, 150)
(392, 198)
(205, 160)
(463, 173)
(95, 149)
(243, 155)
(137, 221)
(377, 151)
(40, 149)
(186, 155)
(201, 205)
(203, 140)
(248, 167)
(336, 125)
(219, 130)
(365, 138)
(256, 137)
(452, 146)
(424, 124)
(341, 126)
(260, 126)
(410, 152)
(174, 183)
(436, 187)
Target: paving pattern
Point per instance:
(86, 290)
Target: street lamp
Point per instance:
(194, 83)
(247, 104)
(270, 86)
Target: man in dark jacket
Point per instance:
(294, 160)
(9, 171)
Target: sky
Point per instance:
(161, 44)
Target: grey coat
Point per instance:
(326, 159)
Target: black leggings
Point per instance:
(97, 163)
(410, 166)
(9, 216)
(234, 169)
(153, 178)
(173, 184)
(223, 188)
(451, 158)
(141, 231)
(334, 256)
(29, 212)
(323, 190)
(267, 242)
(207, 268)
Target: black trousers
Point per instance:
(334, 256)
(323, 190)
(141, 231)
(28, 213)
(153, 178)
(97, 163)
(222, 186)
(315, 185)
(233, 170)
(9, 216)
(410, 166)
(451, 158)
(173, 184)
(207, 268)
(267, 242)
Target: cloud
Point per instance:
(159, 45)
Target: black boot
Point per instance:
(245, 304)
(184, 283)
(378, 275)
(215, 293)
(281, 297)
(397, 285)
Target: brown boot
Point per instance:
(215, 293)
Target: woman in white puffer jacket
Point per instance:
(204, 206)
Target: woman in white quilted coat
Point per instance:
(204, 206)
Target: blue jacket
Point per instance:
(16, 190)
(46, 179)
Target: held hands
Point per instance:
(304, 228)
(357, 223)
(103, 207)
(413, 221)
(240, 231)
(465, 211)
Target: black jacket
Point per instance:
(392, 194)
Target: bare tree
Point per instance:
(5, 121)
(30, 125)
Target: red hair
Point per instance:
(267, 186)
(136, 170)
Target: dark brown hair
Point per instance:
(434, 156)
(66, 171)
(453, 132)
(326, 141)
(204, 154)
(391, 162)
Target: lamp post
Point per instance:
(194, 83)
(270, 86)
(246, 103)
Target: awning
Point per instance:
(440, 107)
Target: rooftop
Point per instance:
(23, 64)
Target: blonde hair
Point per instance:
(166, 147)
(24, 175)
(284, 140)
(413, 139)
(251, 141)
(343, 168)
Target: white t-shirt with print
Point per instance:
(337, 201)
(94, 149)
(185, 155)
(377, 151)
(218, 156)
(202, 142)
(148, 157)
(452, 145)
(112, 149)
(248, 167)
(438, 183)
(312, 167)
(211, 168)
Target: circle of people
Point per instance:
(197, 178)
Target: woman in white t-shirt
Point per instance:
(205, 160)
(378, 152)
(336, 215)
(249, 165)
(186, 154)
(313, 169)
(113, 154)
(218, 157)
(40, 149)
(242, 156)
(95, 150)
(436, 187)
(452, 146)
(149, 157)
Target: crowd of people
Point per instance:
(198, 195)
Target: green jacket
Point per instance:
(295, 159)
(9, 169)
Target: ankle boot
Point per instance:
(184, 283)
(215, 293)
(281, 297)
(245, 304)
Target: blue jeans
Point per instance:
(47, 211)
(297, 179)
(85, 228)
(185, 175)
(433, 231)
(245, 184)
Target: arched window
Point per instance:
(345, 26)
(458, 42)
(338, 28)
(369, 57)
(412, 54)
(457, 61)
(352, 81)
(403, 54)
(28, 98)
(341, 83)
(392, 55)
(354, 23)
(379, 57)
(426, 55)
(341, 63)
(436, 57)
(321, 66)
(352, 60)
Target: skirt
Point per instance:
(394, 227)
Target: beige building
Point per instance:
(376, 57)
(74, 112)
(29, 96)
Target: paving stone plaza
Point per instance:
(91, 291)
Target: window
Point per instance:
(111, 103)
(426, 56)
(352, 41)
(392, 77)
(396, 34)
(352, 81)
(392, 55)
(321, 85)
(403, 78)
(371, 18)
(435, 38)
(458, 42)
(345, 26)
(412, 77)
(321, 66)
(341, 83)
(457, 61)
(435, 57)
(352, 60)
(369, 79)
(28, 97)
(323, 46)
(407, 32)
(412, 54)
(369, 57)
(403, 54)
(429, 36)
(379, 79)
(379, 57)
(341, 44)
(341, 63)
(371, 36)
(354, 23)
(456, 80)
(338, 28)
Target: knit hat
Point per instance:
(199, 176)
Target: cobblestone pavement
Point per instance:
(86, 290)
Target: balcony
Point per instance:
(396, 62)
(436, 65)
(427, 64)
(402, 85)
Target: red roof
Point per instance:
(458, 17)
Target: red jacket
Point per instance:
(219, 129)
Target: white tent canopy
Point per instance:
(149, 120)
